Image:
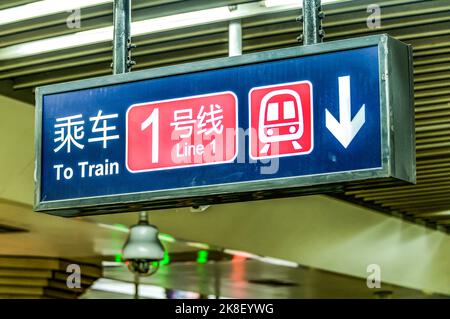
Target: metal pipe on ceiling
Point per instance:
(427, 29)
(122, 36)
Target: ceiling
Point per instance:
(314, 231)
(251, 279)
(424, 24)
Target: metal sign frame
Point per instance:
(397, 134)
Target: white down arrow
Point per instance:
(346, 129)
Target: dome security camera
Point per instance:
(143, 248)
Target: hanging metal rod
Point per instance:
(122, 37)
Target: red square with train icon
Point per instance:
(281, 120)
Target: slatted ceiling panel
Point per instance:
(25, 273)
(5, 4)
(400, 27)
(428, 200)
(147, 61)
(18, 291)
(423, 24)
(49, 26)
(58, 56)
(157, 48)
(413, 26)
(44, 27)
(389, 13)
(91, 17)
(280, 29)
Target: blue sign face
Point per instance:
(275, 120)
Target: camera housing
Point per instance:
(143, 248)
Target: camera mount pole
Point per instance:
(312, 22)
(136, 286)
(122, 46)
